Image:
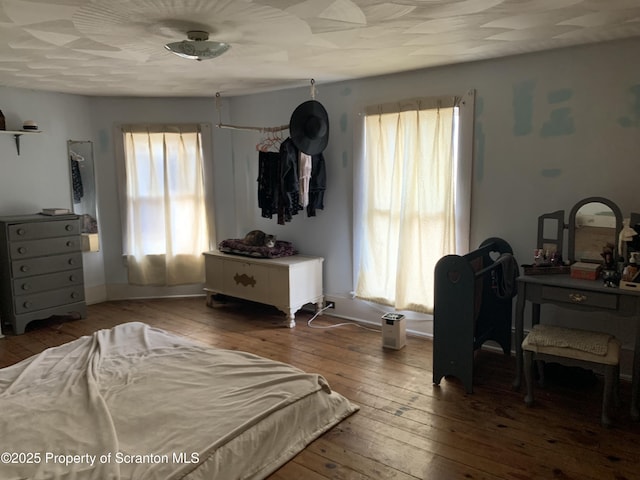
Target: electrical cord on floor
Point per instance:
(376, 308)
(344, 324)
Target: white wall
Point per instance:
(525, 163)
(39, 177)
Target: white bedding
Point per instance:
(135, 402)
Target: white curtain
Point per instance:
(405, 203)
(166, 222)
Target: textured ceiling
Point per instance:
(116, 47)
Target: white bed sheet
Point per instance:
(135, 402)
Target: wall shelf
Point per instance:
(17, 134)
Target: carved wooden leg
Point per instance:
(609, 384)
(540, 365)
(291, 318)
(528, 377)
(616, 388)
(519, 334)
(209, 299)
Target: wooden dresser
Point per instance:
(287, 283)
(40, 268)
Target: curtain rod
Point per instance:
(259, 129)
(240, 127)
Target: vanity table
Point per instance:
(593, 223)
(584, 295)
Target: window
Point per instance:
(412, 199)
(164, 208)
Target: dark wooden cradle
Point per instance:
(471, 307)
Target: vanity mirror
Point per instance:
(593, 223)
(83, 190)
(551, 232)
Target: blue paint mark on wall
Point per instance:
(344, 121)
(551, 172)
(523, 108)
(633, 119)
(559, 96)
(559, 123)
(104, 140)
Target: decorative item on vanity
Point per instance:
(610, 274)
(631, 273)
(545, 263)
(586, 270)
(309, 127)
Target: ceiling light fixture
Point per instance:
(198, 47)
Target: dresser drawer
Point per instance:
(53, 298)
(585, 298)
(30, 231)
(52, 281)
(245, 280)
(46, 246)
(43, 265)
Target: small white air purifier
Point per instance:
(394, 331)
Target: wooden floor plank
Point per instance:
(407, 428)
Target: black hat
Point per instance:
(309, 127)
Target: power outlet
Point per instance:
(330, 305)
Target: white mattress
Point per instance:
(135, 402)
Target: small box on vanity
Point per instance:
(585, 270)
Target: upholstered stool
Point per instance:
(597, 351)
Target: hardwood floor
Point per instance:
(406, 428)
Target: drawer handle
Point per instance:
(72, 261)
(21, 231)
(26, 286)
(70, 243)
(72, 278)
(577, 297)
(22, 250)
(75, 294)
(24, 268)
(68, 228)
(27, 304)
(244, 280)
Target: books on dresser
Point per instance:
(55, 211)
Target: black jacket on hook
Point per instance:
(279, 183)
